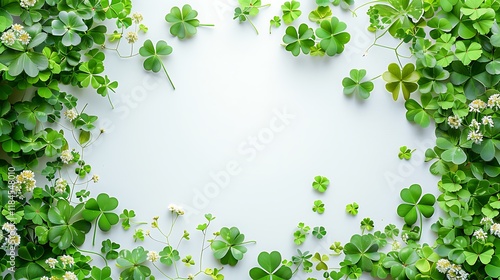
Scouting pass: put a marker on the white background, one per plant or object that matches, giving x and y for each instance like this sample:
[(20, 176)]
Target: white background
[(161, 145)]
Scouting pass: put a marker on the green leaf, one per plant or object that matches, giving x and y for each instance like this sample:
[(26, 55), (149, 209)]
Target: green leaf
[(333, 39), (354, 84), (68, 25), (468, 52), (153, 55), (320, 183), (290, 11), (184, 22), (297, 40), (362, 250), (68, 226), (321, 13), (231, 248), (100, 209), (132, 264), (415, 203), (169, 256), (270, 268), (398, 80)]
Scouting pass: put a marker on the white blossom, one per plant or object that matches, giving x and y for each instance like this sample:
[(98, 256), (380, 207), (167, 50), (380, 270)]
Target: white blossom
[(8, 38), (153, 256), (51, 262), (487, 120), (137, 17), (480, 234), (475, 136), (477, 105), (454, 122), (131, 37), (60, 186), (495, 229), (71, 114), (494, 101), (66, 156)]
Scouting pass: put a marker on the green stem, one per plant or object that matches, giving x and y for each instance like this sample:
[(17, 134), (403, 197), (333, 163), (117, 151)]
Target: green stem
[(163, 273), (110, 102), (95, 232), (365, 4), (253, 25), (207, 24), (168, 76), (94, 253)]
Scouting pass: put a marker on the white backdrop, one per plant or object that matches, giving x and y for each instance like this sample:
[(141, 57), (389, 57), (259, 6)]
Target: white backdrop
[(163, 146)]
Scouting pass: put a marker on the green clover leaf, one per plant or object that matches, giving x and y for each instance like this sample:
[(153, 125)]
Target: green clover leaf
[(67, 25), (362, 250), (332, 36), (153, 56), (367, 224), (319, 207), (321, 13), (297, 40), (398, 80), (231, 248), (169, 256), (270, 268), (468, 52), (415, 204), (68, 226), (354, 84), (319, 232), (352, 208), (402, 263), (184, 22), (132, 264), (274, 22), (100, 209), (321, 260), (320, 183), (290, 11)]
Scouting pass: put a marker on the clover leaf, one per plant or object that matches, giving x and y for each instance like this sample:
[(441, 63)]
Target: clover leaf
[(36, 211), (247, 9), (169, 256), (362, 250), (415, 204), (332, 36), (132, 263), (401, 80), (100, 209), (352, 208), (297, 40), (321, 260), (270, 268), (321, 13), (367, 224), (153, 56), (68, 226), (231, 248), (405, 153), (184, 22), (320, 183), (319, 232), (126, 216), (109, 249), (290, 11), (402, 263), (28, 62), (319, 207), (468, 52), (354, 84), (67, 25), (274, 22)]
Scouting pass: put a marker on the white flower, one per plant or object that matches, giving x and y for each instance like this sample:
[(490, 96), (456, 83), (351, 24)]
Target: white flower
[(147, 232), (8, 38), (456, 273), (486, 221), (131, 37), (137, 17), (25, 182), (474, 124), (404, 237), (172, 207), (495, 229), (153, 256), (14, 239), (475, 136), (24, 37), (69, 276), (487, 120), (177, 209), (454, 122), (17, 28), (396, 246), (190, 276), (9, 227), (180, 211), (66, 156), (71, 114), (67, 260), (95, 178), (477, 105), (27, 3), (45, 278), (494, 101), (443, 265), (60, 186), (51, 262), (480, 234)]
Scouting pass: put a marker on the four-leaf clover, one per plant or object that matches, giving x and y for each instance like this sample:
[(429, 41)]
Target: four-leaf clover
[(401, 80), (297, 40)]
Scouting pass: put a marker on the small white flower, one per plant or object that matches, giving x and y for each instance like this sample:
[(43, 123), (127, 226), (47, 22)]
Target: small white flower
[(17, 28), (495, 229), (477, 105), (487, 120), (69, 276), (137, 17), (8, 38), (14, 239), (131, 37), (67, 260), (443, 265), (51, 262), (9, 227), (486, 221), (45, 278), (480, 234), (66, 156), (475, 136), (71, 114), (190, 276), (494, 101), (474, 124), (454, 122), (153, 256), (147, 232), (95, 178), (180, 211), (172, 207), (60, 186), (27, 3), (24, 37), (396, 246)]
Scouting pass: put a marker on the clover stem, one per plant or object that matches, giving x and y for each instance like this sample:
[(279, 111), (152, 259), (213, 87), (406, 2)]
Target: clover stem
[(365, 4), (298, 266), (110, 102), (202, 247), (372, 79), (421, 223), (168, 76), (162, 271), (207, 24), (94, 253), (95, 231), (253, 25)]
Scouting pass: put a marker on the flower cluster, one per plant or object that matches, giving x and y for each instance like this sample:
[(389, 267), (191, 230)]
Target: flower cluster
[(495, 229), (13, 239), (454, 122), (71, 114), (15, 33), (480, 234), (61, 185), (66, 156), (176, 209), (27, 3), (131, 37), (153, 256), (137, 17), (25, 182), (477, 106), (494, 101), (452, 271), (67, 260)]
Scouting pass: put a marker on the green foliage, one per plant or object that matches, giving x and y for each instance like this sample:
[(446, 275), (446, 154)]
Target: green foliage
[(352, 208), (300, 235), (401, 80), (132, 264), (321, 183), (270, 267), (319, 232), (415, 205), (354, 84), (68, 226), (153, 55), (231, 248), (332, 35), (183, 22), (362, 250), (318, 207), (298, 40), (248, 9), (290, 11), (367, 224), (321, 13), (100, 210), (405, 153)]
